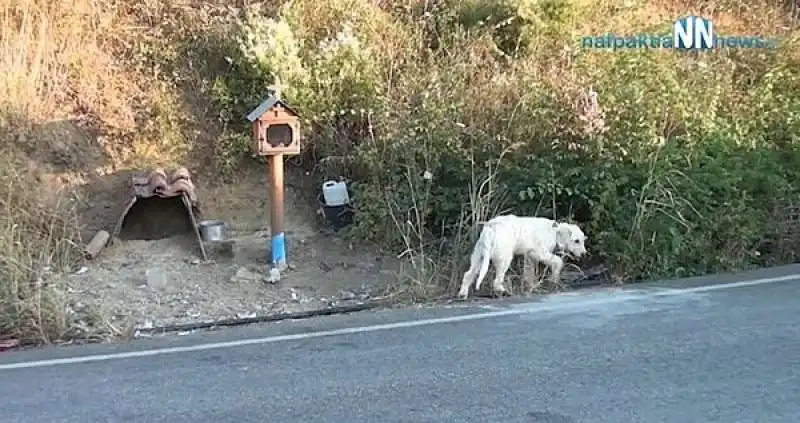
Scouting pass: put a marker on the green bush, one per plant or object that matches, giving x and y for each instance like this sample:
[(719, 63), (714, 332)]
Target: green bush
[(676, 170)]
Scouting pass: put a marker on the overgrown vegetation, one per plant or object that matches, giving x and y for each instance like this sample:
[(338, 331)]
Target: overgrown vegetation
[(677, 164), (674, 162)]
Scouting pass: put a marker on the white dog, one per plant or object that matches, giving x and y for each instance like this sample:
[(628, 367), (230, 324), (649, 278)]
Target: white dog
[(505, 236)]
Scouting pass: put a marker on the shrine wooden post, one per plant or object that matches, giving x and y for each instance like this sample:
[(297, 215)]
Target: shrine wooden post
[(276, 133)]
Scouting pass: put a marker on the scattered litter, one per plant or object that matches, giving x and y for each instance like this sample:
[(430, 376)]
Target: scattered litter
[(245, 315), (148, 324), (139, 334), (8, 344), (82, 270)]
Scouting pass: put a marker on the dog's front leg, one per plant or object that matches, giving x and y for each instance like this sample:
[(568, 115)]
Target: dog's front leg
[(530, 273), (555, 263)]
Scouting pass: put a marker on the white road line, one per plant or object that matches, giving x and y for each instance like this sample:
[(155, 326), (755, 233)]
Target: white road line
[(530, 308)]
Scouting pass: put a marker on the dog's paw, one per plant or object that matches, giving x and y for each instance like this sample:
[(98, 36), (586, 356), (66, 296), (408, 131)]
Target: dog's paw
[(500, 293)]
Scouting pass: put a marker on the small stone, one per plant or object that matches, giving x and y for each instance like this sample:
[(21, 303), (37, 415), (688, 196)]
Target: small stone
[(274, 276), (194, 261)]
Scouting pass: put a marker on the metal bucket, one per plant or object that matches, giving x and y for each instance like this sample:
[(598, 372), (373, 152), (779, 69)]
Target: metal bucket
[(212, 230)]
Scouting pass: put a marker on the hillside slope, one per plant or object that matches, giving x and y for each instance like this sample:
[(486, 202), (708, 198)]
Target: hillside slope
[(440, 113)]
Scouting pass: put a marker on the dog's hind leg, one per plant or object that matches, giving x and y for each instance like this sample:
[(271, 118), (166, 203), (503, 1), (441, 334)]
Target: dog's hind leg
[(501, 265), (475, 265)]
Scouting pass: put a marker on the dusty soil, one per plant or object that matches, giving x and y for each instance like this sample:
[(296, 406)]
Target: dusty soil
[(164, 282)]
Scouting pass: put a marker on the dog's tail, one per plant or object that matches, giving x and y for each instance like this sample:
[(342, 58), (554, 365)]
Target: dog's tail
[(482, 253)]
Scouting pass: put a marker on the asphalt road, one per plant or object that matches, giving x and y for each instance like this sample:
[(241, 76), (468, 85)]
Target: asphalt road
[(699, 353)]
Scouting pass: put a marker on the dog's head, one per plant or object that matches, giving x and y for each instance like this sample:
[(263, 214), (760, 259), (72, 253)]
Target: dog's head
[(571, 238)]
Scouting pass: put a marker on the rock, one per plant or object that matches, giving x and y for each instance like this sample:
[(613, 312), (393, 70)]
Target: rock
[(274, 276)]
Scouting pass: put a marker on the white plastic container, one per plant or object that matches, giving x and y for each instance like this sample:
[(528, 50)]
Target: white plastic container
[(335, 193)]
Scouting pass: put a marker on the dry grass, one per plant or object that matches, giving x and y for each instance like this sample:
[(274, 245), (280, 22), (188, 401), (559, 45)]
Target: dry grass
[(40, 44), (37, 240), (59, 65), (434, 269)]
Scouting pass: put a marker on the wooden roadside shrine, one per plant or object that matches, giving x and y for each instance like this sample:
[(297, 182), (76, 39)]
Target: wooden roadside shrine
[(276, 133)]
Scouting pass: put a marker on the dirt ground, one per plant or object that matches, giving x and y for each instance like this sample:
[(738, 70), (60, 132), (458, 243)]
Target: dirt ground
[(165, 282)]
